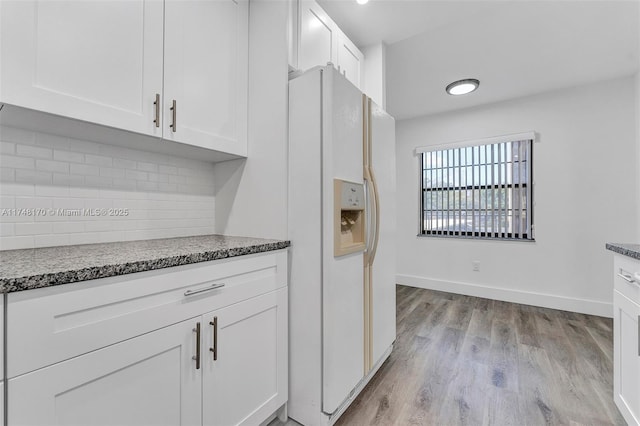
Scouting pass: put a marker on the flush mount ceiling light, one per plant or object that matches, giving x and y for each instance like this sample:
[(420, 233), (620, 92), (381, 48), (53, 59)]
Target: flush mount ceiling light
[(462, 87), (362, 1)]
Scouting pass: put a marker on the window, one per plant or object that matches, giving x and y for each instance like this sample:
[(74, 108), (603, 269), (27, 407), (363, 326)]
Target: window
[(479, 191)]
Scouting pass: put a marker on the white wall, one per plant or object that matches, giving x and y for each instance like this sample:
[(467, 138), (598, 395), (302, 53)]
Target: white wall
[(374, 84), (638, 148), (159, 196), (586, 191), (251, 195)]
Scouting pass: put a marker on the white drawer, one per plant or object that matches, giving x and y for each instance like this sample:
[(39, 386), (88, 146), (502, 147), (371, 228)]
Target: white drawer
[(52, 324), (623, 265)]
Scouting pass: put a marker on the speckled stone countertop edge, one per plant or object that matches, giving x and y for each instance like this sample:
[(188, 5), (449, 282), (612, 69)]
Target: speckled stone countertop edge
[(629, 250), (15, 284)]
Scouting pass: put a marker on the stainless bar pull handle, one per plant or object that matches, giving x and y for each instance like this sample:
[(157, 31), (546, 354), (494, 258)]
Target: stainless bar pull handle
[(638, 335), (214, 349), (157, 107), (173, 109), (202, 290), (628, 277), (196, 357)]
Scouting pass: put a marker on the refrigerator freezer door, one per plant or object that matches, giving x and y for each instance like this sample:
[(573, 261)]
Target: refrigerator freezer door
[(383, 157), (342, 292)]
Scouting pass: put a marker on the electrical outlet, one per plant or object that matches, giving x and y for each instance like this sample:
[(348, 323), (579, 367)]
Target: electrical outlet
[(475, 265)]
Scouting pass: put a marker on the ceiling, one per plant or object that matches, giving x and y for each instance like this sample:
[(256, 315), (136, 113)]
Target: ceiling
[(515, 48)]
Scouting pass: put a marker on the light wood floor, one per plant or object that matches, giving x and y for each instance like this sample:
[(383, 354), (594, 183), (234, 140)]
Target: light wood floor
[(461, 360)]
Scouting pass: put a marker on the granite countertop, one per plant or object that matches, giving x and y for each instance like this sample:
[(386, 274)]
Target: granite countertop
[(44, 267), (631, 250)]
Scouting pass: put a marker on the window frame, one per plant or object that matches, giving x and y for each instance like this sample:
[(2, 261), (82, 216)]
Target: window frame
[(527, 235)]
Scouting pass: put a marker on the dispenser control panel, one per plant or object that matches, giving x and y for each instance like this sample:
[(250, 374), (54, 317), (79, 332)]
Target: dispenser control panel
[(352, 197), (348, 219)]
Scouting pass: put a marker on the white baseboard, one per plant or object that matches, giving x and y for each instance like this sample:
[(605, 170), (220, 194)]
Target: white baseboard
[(584, 306)]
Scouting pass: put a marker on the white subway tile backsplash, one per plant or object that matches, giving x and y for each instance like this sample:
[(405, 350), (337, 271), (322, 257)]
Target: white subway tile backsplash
[(52, 166), (167, 187), (68, 227), (95, 226), (70, 180), (147, 186), (135, 174), (7, 174), (157, 195), (124, 184), (13, 134), (168, 170), (34, 176), (111, 172), (33, 151), (74, 157), (177, 179), (51, 191), (158, 177), (7, 148), (147, 167), (22, 189), (33, 202), (7, 202), (17, 162), (98, 160), (98, 181), (82, 169), (33, 228), (16, 243), (51, 240), (52, 141), (84, 146), (7, 229), (124, 164)]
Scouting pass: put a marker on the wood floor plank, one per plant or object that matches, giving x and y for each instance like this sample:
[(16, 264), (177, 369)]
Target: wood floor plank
[(460, 360), (504, 356), (502, 408), (592, 359)]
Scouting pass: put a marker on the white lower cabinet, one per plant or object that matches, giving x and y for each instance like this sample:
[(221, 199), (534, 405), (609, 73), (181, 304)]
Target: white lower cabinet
[(147, 380), (627, 360), (626, 339), (245, 374), (202, 344)]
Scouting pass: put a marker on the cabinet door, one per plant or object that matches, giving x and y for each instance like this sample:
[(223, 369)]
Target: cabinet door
[(98, 61), (626, 337), (350, 59), (206, 72), (148, 380), (247, 381), (318, 41)]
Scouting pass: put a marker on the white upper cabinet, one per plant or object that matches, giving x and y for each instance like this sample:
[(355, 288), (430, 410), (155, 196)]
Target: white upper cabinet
[(319, 40), (318, 36), (206, 71), (350, 60), (97, 61), (124, 64)]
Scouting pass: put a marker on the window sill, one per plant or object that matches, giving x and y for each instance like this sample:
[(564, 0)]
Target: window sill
[(464, 237)]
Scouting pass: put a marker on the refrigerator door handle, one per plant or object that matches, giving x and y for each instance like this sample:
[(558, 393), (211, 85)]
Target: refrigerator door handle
[(368, 215), (376, 216)]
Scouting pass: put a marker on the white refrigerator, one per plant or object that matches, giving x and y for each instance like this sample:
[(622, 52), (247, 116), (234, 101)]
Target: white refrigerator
[(342, 221)]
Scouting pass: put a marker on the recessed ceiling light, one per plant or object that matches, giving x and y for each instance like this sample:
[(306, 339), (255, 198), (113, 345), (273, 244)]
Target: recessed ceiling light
[(462, 87), (362, 1)]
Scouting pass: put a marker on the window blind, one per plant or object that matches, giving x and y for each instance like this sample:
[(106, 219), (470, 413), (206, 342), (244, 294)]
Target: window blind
[(481, 191)]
